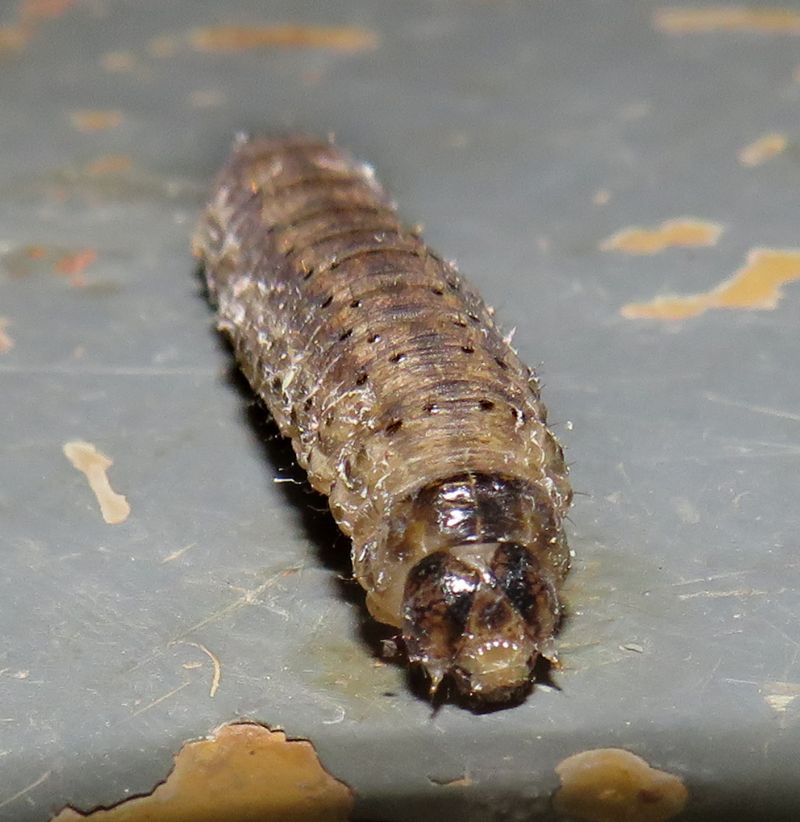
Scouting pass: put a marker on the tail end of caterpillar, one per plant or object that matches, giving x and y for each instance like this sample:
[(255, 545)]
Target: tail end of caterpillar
[(481, 613)]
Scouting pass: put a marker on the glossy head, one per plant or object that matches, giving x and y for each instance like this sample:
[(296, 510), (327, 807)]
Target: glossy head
[(481, 613)]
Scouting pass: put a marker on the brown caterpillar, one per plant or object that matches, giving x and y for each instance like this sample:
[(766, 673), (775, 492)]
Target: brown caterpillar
[(404, 404)]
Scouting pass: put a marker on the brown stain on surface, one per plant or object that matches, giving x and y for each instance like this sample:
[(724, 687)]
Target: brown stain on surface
[(242, 772), (109, 164), (689, 20), (36, 258), (764, 148), (682, 232), (246, 38), (90, 120), (614, 785), (85, 457), (756, 286)]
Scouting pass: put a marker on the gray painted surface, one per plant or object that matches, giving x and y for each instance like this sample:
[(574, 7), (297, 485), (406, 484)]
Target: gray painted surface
[(494, 124)]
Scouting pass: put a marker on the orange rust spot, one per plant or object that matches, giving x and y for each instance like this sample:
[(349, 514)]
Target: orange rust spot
[(85, 457), (109, 164), (242, 772), (74, 265), (688, 20), (755, 286), (44, 9), (87, 120), (612, 784), (242, 38), (6, 340), (684, 232), (763, 149)]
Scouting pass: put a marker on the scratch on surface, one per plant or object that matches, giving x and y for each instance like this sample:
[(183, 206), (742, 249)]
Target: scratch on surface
[(738, 593), (755, 286), (688, 20), (6, 340), (160, 699), (763, 149), (19, 794), (756, 409), (682, 232), (85, 457), (217, 674), (179, 553)]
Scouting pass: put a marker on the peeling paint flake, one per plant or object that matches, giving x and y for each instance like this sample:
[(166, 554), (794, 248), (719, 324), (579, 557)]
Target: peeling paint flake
[(756, 286), (6, 340), (682, 232), (612, 784), (242, 772), (85, 457), (763, 149), (688, 20), (245, 38), (89, 120)]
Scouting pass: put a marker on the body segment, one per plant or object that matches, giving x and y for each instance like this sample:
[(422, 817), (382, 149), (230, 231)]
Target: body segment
[(403, 402)]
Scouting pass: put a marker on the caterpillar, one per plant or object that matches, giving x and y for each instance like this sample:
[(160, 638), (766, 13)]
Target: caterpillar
[(404, 404)]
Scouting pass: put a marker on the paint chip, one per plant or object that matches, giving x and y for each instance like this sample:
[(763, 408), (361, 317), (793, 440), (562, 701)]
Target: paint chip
[(688, 20), (85, 457), (682, 232), (246, 38), (756, 286), (6, 340), (89, 120), (763, 149), (612, 784), (242, 772)]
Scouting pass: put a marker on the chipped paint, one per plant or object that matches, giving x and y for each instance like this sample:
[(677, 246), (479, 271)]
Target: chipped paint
[(780, 695), (34, 258), (6, 340), (688, 20), (89, 120), (763, 149), (245, 38), (756, 286), (85, 457), (244, 772), (612, 784), (681, 232)]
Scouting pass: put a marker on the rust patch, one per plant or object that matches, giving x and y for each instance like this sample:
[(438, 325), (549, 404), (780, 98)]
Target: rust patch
[(246, 38), (85, 457), (118, 62), (89, 120), (242, 772), (763, 149), (683, 232), (756, 286), (612, 784), (688, 20), (6, 340), (35, 258)]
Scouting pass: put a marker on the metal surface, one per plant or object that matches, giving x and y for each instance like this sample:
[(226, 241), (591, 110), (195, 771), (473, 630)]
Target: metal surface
[(495, 124)]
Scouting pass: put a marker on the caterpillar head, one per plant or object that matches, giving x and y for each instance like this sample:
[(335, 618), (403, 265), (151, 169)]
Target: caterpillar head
[(481, 613)]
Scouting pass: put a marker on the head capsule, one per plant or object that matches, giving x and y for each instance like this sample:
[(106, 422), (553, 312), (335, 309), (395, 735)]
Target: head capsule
[(481, 612)]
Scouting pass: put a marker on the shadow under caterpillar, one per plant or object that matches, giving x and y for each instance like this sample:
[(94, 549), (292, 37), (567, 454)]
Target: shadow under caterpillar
[(404, 404)]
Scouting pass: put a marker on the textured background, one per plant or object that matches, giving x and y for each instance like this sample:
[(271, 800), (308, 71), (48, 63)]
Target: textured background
[(495, 124)]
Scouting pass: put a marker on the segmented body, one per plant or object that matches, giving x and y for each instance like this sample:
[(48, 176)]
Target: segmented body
[(404, 404)]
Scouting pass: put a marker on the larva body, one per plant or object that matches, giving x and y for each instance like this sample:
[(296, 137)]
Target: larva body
[(404, 404)]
